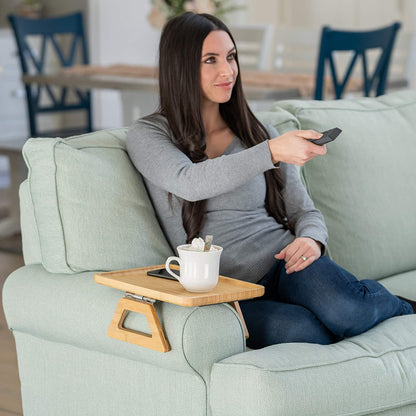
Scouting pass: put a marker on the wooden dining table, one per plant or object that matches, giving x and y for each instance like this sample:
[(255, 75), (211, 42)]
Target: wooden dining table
[(138, 85), (136, 77)]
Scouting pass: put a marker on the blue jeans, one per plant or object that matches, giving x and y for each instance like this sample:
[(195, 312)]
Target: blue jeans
[(321, 304)]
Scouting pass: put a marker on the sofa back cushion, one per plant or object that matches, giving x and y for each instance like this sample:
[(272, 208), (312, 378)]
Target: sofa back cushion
[(366, 184), (280, 119), (90, 206), (30, 234)]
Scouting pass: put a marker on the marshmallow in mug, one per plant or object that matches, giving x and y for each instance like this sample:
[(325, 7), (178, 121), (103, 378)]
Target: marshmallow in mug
[(198, 244)]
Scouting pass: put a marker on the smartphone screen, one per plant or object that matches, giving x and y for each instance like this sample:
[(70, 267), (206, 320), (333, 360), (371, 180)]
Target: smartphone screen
[(161, 273)]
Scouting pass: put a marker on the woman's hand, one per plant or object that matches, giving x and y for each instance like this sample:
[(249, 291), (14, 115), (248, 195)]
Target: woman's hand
[(291, 147), (299, 254)]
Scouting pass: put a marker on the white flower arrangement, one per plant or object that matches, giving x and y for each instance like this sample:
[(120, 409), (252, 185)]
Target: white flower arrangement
[(163, 10)]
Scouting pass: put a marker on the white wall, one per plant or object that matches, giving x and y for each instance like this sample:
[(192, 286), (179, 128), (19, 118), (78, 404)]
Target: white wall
[(119, 33), (308, 16), (348, 14)]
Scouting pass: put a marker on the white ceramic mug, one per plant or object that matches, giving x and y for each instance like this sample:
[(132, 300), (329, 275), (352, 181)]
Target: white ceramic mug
[(198, 270)]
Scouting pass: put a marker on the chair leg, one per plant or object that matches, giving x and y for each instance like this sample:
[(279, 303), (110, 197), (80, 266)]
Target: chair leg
[(31, 112)]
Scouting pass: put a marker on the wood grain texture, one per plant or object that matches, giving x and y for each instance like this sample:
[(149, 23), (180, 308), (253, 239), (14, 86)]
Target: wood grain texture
[(138, 282), (156, 340), (135, 77), (303, 82), (237, 308)]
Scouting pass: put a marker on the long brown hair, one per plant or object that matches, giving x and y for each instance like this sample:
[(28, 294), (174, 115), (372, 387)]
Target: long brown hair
[(180, 51)]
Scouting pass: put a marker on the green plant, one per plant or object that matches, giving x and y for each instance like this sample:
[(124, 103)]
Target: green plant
[(163, 10)]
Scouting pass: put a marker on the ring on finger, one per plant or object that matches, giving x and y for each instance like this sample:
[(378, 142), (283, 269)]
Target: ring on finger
[(304, 258)]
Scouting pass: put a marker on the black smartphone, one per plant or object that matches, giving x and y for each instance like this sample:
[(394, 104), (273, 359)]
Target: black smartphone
[(327, 136), (161, 273)]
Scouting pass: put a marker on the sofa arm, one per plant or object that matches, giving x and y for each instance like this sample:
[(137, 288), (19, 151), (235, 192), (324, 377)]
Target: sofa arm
[(74, 310)]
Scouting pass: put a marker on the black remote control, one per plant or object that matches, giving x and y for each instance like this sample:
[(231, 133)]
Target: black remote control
[(327, 136)]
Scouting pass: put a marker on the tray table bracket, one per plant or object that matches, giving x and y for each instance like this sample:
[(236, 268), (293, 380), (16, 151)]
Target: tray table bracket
[(237, 308), (156, 340)]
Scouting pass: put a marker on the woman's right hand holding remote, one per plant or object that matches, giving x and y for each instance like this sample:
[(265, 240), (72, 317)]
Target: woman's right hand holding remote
[(291, 147)]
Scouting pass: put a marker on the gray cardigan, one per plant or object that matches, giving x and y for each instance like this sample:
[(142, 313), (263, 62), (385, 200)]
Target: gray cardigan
[(235, 188)]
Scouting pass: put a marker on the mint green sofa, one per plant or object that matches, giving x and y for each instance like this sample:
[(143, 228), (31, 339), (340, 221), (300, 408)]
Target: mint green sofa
[(84, 209)]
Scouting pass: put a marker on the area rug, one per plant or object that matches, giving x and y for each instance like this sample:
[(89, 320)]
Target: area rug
[(12, 244)]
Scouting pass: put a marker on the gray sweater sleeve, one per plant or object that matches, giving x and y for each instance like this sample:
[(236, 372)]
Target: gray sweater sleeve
[(162, 163), (229, 182)]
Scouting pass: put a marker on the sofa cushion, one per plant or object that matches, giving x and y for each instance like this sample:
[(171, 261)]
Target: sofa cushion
[(402, 284), (90, 205), (29, 231), (365, 185), (282, 120), (366, 374)]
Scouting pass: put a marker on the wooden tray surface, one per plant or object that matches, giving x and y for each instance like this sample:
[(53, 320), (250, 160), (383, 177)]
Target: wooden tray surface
[(138, 282)]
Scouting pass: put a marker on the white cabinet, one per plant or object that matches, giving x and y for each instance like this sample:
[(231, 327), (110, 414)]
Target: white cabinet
[(13, 113)]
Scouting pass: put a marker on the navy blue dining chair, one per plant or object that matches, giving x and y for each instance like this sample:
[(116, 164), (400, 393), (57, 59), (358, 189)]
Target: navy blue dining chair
[(64, 38), (359, 43)]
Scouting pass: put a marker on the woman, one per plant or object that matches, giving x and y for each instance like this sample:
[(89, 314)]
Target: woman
[(212, 168)]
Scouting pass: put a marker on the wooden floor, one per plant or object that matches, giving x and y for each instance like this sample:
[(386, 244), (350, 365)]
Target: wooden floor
[(10, 401)]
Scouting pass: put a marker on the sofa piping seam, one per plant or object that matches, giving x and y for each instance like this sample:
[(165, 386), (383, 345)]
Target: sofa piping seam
[(186, 359), (361, 110), (253, 366)]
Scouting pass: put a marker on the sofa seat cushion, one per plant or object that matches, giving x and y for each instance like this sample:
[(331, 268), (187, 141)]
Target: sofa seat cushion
[(90, 206), (365, 185), (366, 374)]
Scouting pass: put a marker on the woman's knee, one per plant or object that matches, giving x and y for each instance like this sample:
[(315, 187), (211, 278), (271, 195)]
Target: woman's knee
[(354, 313)]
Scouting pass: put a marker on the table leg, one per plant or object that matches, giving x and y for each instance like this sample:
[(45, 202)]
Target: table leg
[(156, 340)]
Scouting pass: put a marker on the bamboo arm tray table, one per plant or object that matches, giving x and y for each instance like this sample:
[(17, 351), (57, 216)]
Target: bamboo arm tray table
[(143, 290)]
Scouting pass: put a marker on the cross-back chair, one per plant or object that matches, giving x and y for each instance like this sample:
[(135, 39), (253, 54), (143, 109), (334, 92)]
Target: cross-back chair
[(57, 41), (360, 43)]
